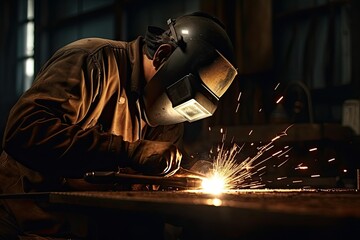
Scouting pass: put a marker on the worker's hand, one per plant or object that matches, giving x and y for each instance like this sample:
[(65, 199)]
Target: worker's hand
[(154, 158)]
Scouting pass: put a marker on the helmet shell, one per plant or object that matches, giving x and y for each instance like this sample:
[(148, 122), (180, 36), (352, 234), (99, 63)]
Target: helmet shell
[(199, 40), (197, 29)]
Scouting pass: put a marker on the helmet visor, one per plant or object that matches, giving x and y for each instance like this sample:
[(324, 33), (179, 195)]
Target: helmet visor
[(218, 75)]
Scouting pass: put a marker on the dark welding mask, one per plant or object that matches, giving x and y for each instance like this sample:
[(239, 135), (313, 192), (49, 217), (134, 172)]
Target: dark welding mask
[(189, 84)]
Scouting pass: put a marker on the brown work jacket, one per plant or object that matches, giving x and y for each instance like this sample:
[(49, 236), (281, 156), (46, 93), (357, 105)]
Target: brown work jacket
[(75, 117)]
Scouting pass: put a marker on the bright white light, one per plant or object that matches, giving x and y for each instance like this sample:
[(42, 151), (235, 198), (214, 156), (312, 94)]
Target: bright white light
[(29, 67), (29, 41), (215, 201), (30, 9), (214, 184), (185, 31), (29, 73)]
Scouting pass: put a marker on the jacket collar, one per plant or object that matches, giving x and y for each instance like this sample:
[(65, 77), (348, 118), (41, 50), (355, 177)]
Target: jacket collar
[(137, 72)]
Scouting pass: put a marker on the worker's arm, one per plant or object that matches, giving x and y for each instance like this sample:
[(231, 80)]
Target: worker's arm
[(43, 130)]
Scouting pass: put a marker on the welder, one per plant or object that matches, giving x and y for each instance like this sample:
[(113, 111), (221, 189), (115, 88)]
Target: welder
[(104, 105)]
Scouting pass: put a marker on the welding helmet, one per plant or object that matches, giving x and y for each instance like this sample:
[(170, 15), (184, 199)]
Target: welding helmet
[(189, 84)]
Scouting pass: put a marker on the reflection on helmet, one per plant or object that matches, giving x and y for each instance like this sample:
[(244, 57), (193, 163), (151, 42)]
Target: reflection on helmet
[(218, 75), (189, 84)]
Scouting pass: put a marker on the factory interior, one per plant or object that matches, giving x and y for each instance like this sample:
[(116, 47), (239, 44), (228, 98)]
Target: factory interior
[(292, 113)]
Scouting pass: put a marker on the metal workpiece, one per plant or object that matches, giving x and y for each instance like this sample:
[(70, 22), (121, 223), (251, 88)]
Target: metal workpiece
[(186, 181)]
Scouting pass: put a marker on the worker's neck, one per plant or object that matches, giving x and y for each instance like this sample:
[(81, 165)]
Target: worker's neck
[(149, 69)]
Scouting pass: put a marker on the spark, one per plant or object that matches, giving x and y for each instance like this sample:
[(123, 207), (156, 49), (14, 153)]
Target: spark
[(332, 159), (261, 168), (285, 152), (227, 173), (263, 161), (312, 149), (223, 135), (270, 147), (238, 99), (237, 107), (260, 109), (315, 175), (250, 132), (279, 100), (278, 152), (277, 85), (282, 163), (275, 138)]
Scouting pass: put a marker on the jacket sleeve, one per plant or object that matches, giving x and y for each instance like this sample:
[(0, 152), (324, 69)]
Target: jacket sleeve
[(42, 131), (172, 133)]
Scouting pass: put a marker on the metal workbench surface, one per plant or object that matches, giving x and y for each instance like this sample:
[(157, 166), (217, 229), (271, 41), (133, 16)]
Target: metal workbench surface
[(238, 214)]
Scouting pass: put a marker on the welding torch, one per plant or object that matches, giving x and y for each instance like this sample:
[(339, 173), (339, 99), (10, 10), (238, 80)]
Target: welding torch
[(185, 179)]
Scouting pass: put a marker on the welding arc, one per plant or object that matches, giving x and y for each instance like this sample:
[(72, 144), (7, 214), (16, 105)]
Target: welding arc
[(124, 178)]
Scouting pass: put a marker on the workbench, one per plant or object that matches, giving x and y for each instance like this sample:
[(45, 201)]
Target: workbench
[(238, 214)]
